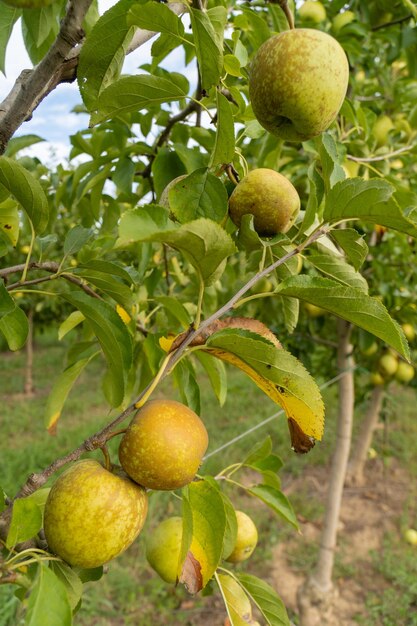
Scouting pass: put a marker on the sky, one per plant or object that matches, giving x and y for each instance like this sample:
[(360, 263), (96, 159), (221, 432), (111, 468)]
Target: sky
[(53, 120)]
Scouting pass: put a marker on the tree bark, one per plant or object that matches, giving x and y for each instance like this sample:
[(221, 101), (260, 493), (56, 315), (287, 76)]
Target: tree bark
[(28, 388), (315, 596), (360, 453)]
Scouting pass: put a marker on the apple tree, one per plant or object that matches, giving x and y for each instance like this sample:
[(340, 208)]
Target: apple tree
[(158, 270)]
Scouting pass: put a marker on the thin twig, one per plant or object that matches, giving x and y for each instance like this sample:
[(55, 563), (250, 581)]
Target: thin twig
[(381, 157)]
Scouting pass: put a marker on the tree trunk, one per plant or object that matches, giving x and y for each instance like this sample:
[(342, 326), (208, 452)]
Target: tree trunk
[(360, 453), (316, 595), (28, 388)]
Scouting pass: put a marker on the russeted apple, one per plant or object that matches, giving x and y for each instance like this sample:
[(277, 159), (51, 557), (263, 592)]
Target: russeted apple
[(164, 445), (269, 197), (92, 515), (297, 84)]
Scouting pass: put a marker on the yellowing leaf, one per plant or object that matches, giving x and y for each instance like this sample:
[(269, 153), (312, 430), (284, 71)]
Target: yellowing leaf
[(123, 314), (166, 342), (278, 373)]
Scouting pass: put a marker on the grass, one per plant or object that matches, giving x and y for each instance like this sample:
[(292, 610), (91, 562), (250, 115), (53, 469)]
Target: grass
[(130, 592)]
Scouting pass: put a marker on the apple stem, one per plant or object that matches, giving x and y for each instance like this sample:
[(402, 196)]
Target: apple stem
[(288, 14), (107, 460), (121, 431)]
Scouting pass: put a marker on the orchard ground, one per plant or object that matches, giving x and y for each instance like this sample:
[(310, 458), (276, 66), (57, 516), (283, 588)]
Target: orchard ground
[(376, 570)]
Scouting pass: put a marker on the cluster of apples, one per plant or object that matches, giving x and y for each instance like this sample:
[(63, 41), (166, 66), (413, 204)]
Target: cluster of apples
[(389, 366), (93, 514)]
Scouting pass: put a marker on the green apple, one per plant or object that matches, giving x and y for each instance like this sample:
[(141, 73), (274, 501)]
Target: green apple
[(27, 4), (351, 168), (376, 379), (297, 84), (314, 310), (164, 445), (381, 128), (409, 331), (269, 197), (388, 365), (370, 349), (341, 20), (246, 539), (405, 372), (312, 11), (163, 548), (410, 535), (92, 515)]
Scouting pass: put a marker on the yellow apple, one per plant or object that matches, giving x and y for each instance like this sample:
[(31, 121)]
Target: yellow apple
[(409, 332), (246, 540), (341, 20), (405, 372), (381, 128), (388, 365), (312, 11)]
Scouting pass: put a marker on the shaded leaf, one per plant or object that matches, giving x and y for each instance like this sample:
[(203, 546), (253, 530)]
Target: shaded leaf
[(352, 244), (19, 143), (71, 581), (26, 521), (9, 220), (209, 43), (156, 17), (201, 194), (217, 374), (76, 238), (337, 268), (224, 145), (266, 599), (15, 328), (8, 17)]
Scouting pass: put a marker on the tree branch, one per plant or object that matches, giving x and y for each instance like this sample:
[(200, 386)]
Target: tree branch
[(58, 66)]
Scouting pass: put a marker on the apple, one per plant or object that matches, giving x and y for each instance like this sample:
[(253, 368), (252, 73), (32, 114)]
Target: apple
[(381, 128), (163, 548), (372, 453), (313, 310), (164, 199), (405, 372), (27, 4), (246, 539), (371, 349), (92, 515), (269, 197), (164, 445), (388, 365), (409, 331), (410, 535), (312, 11), (341, 20), (351, 168), (376, 379), (297, 84)]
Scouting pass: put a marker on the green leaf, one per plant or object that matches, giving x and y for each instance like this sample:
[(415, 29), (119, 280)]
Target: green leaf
[(230, 534), (205, 502), (8, 17), (102, 54), (367, 200), (353, 245), (277, 501), (19, 143), (71, 581), (27, 190), (143, 223), (209, 45), (224, 146), (176, 308), (200, 194), (349, 304), (9, 220), (26, 521), (332, 170), (123, 174), (156, 17), (277, 372), (60, 390), (266, 599), (15, 328), (185, 380), (134, 93), (114, 339), (71, 322), (7, 304), (335, 266), (76, 238), (48, 603), (109, 285), (166, 167), (217, 374), (260, 451)]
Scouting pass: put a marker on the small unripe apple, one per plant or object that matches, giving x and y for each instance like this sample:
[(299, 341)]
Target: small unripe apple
[(409, 331), (405, 372), (269, 197), (376, 379), (313, 310), (371, 349), (372, 453), (381, 129), (297, 84), (410, 535), (388, 365), (351, 168), (341, 20), (164, 445), (163, 548), (92, 515), (246, 539), (312, 11)]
